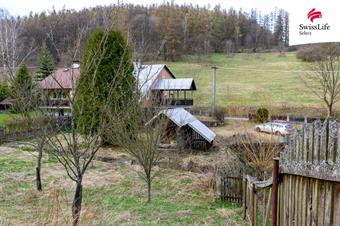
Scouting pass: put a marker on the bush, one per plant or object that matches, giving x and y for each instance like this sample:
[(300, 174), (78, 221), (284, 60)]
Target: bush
[(219, 114), (309, 54), (23, 124), (314, 53), (262, 115)]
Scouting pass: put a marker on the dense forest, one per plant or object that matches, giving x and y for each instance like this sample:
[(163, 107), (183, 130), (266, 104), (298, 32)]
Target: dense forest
[(157, 32)]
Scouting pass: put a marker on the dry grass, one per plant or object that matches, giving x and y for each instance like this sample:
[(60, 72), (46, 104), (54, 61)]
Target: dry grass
[(113, 195)]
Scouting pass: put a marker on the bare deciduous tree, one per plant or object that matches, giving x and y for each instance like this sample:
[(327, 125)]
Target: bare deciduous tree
[(11, 47), (73, 150), (25, 100), (135, 130), (324, 80), (75, 144)]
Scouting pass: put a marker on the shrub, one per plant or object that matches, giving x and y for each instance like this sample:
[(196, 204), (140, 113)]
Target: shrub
[(262, 115), (23, 124), (219, 114), (309, 54), (314, 53)]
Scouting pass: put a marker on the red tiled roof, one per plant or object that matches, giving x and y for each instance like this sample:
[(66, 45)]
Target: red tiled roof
[(60, 79)]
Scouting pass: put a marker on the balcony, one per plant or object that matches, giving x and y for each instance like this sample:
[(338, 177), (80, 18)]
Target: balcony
[(180, 102), (175, 102), (58, 103)]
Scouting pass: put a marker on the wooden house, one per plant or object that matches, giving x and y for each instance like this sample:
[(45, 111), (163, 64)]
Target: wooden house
[(157, 84)]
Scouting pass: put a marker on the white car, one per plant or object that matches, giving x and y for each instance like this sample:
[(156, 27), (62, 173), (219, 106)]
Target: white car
[(277, 128)]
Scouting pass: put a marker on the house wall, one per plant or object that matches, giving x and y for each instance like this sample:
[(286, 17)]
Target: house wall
[(163, 74)]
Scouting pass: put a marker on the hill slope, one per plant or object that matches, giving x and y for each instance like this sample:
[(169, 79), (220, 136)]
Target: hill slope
[(248, 79)]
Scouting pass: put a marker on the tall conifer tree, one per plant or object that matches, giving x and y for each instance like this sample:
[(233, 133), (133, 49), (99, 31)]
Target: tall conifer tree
[(46, 62)]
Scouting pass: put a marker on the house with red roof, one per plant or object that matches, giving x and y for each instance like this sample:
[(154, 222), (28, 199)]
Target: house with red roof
[(58, 88), (157, 84)]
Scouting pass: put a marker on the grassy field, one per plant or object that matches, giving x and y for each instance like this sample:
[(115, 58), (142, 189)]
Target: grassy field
[(113, 195), (4, 117), (248, 79)]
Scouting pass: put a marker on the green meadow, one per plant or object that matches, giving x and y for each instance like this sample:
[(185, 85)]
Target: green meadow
[(248, 79)]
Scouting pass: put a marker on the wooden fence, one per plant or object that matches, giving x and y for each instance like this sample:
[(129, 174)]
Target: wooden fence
[(257, 201), (231, 189), (309, 188), (305, 187)]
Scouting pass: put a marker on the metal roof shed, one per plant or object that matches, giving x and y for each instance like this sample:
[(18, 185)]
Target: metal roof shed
[(194, 131)]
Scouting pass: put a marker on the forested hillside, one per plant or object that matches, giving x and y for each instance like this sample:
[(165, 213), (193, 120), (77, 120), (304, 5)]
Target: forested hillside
[(157, 32)]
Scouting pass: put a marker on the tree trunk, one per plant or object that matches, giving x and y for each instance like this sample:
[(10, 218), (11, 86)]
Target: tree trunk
[(149, 190), (76, 205), (38, 170), (330, 110)]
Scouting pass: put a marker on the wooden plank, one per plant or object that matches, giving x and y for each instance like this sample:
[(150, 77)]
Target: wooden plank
[(310, 201), (324, 198), (296, 200), (285, 183), (267, 209), (313, 144), (244, 202), (332, 204), (316, 217), (281, 203), (255, 207), (325, 174), (305, 202), (299, 201), (290, 205)]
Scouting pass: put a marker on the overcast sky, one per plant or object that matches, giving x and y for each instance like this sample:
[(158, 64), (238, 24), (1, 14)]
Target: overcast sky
[(23, 7)]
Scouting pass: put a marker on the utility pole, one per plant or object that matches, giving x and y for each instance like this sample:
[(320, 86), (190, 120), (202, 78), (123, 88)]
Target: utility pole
[(214, 89)]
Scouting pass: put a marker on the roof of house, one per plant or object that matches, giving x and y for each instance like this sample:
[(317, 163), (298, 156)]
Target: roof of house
[(7, 101), (175, 84), (182, 117), (147, 74), (60, 79)]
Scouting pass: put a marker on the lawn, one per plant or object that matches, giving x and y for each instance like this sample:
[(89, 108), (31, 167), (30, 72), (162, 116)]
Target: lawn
[(113, 195), (4, 117), (248, 79)]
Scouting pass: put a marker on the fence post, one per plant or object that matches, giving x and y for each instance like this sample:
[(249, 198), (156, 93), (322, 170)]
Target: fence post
[(244, 197), (2, 134), (253, 210), (275, 189)]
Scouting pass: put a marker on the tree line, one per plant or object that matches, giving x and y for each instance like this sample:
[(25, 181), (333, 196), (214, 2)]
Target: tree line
[(155, 32)]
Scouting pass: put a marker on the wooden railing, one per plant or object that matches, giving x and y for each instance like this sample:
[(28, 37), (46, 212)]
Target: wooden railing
[(178, 102)]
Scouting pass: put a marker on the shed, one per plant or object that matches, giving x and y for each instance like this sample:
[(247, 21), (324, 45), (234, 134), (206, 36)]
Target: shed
[(6, 103), (191, 132)]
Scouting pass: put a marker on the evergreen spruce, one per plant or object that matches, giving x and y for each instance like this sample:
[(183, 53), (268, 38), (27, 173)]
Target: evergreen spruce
[(22, 90), (4, 90), (106, 79), (46, 62)]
